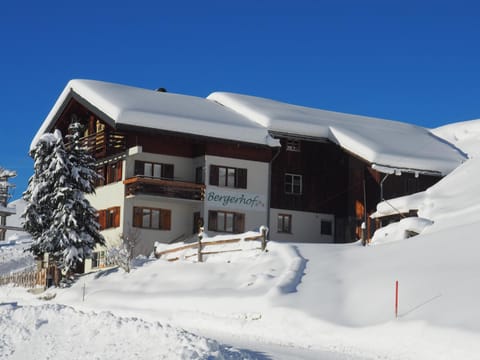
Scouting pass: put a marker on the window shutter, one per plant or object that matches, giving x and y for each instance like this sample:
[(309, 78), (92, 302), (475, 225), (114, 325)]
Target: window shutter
[(212, 220), (100, 181), (166, 219), (118, 171), (241, 180), (102, 219), (137, 217), (116, 216), (239, 223), (138, 168), (167, 171), (213, 175)]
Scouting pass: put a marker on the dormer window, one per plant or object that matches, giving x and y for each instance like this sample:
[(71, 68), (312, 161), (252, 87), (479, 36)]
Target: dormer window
[(293, 145)]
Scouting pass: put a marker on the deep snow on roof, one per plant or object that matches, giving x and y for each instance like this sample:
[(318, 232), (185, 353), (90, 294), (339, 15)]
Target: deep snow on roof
[(127, 105), (382, 142)]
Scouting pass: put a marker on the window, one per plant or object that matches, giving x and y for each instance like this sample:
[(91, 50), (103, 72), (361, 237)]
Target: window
[(293, 145), (109, 173), (152, 218), (228, 177), (154, 170), (284, 223), (223, 221), (326, 227), (293, 184), (98, 259), (109, 218)]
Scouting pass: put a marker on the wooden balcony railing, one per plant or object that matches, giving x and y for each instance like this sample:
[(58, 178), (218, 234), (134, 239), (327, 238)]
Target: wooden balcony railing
[(103, 143), (161, 187)]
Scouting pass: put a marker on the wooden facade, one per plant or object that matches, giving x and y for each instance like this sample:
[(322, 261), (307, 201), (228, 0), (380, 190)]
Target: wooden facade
[(336, 182)]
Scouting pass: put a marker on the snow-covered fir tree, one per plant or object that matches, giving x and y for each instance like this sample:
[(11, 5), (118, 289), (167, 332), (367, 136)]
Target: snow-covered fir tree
[(38, 208), (68, 228), (83, 164)]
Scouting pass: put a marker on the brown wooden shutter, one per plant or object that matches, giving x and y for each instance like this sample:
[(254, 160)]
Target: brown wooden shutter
[(118, 171), (239, 226), (102, 219), (109, 177), (213, 175), (212, 220), (137, 217), (139, 168), (166, 219), (241, 178), (167, 171), (116, 216), (101, 176)]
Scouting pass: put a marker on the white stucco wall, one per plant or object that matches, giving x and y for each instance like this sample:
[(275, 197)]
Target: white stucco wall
[(181, 220), (108, 196), (257, 187), (184, 169), (305, 227)]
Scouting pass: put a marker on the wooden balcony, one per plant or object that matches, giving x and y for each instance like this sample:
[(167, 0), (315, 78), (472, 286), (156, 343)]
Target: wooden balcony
[(103, 143), (163, 187)]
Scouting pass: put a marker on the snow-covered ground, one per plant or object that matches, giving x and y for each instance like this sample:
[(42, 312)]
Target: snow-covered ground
[(296, 301)]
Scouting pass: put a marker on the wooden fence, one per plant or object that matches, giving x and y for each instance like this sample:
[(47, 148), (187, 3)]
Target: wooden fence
[(199, 245), (27, 279), (32, 278)]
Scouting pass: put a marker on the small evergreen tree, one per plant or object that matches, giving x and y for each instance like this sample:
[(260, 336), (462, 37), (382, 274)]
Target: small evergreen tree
[(67, 228)]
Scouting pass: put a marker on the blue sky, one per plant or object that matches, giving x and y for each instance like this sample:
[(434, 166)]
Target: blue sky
[(414, 61)]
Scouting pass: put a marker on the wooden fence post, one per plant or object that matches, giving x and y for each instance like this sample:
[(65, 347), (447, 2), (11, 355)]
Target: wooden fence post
[(199, 250), (264, 238)]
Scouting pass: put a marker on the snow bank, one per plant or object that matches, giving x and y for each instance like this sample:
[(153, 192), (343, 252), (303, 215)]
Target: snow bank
[(400, 205), (13, 257), (453, 201), (61, 332), (464, 135), (401, 230)]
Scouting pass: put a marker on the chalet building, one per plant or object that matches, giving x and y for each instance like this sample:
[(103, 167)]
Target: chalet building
[(232, 163)]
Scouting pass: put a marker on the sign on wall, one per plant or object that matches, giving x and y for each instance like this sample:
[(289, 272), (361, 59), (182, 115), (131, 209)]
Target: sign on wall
[(235, 200)]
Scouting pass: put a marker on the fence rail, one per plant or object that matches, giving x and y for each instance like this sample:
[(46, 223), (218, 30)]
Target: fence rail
[(199, 245)]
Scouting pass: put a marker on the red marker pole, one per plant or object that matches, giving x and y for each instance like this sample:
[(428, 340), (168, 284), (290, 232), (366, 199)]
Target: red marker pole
[(396, 299)]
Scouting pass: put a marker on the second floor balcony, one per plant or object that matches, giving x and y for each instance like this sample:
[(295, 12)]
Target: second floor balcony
[(164, 187), (104, 143)]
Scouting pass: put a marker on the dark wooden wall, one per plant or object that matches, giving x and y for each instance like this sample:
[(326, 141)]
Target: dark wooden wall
[(324, 169), (338, 183)]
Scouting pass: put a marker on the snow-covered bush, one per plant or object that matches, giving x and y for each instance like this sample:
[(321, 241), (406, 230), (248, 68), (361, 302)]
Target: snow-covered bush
[(123, 255)]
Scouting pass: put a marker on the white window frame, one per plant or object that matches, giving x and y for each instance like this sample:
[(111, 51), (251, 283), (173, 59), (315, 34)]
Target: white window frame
[(290, 185)]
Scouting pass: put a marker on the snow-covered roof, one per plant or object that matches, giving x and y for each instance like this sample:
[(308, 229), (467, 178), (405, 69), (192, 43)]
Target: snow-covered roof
[(385, 143), (132, 106)]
